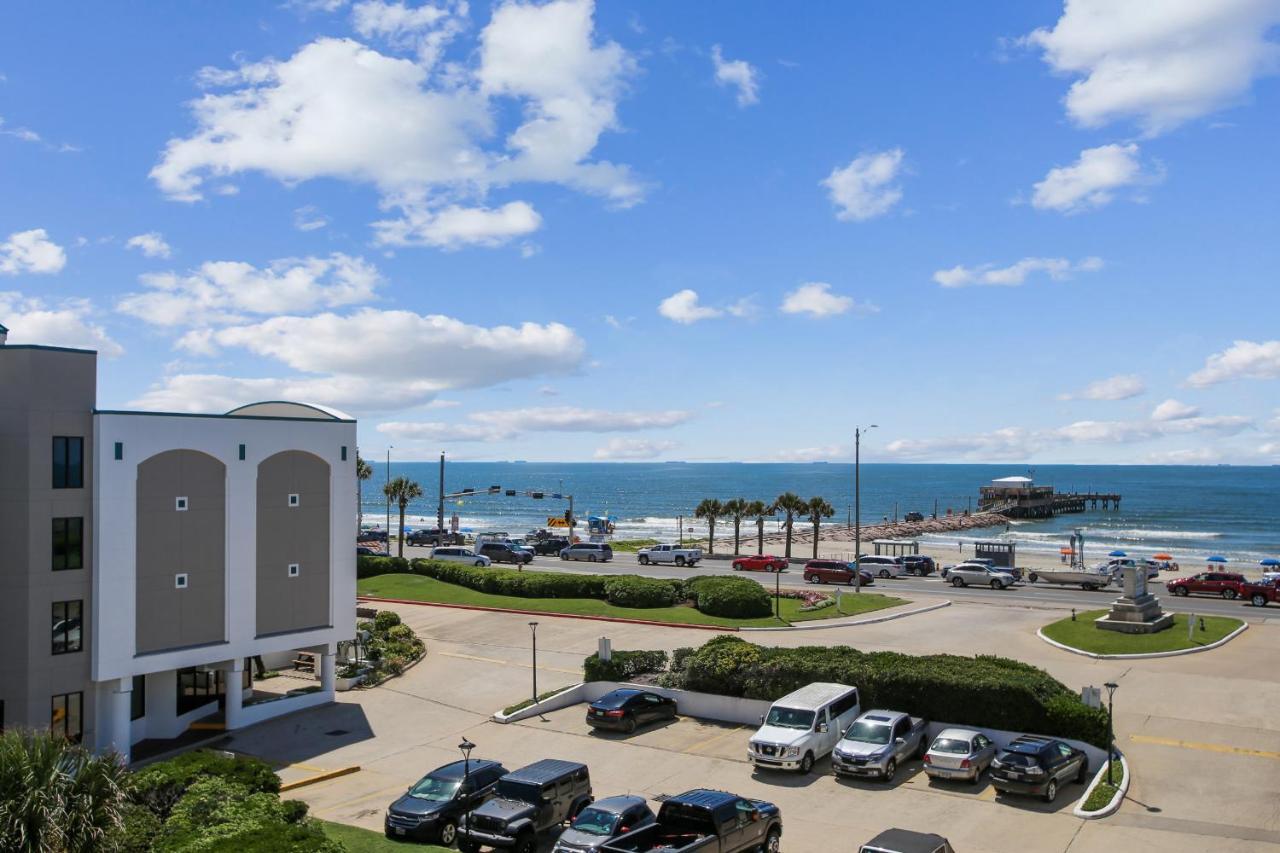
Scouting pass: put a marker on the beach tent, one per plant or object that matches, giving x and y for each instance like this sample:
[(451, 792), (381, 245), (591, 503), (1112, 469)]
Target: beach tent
[(1269, 561)]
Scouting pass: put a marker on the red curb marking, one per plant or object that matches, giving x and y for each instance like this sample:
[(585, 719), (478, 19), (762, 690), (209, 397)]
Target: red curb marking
[(544, 613)]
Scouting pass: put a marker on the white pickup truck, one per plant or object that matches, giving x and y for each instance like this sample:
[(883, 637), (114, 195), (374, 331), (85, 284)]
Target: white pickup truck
[(669, 554)]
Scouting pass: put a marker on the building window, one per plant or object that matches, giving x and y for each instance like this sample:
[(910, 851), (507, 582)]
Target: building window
[(180, 504), (64, 716), (344, 453), (180, 580), (67, 628), (293, 570), (68, 544), (293, 500), (242, 453), (68, 462), (119, 450), (138, 698)]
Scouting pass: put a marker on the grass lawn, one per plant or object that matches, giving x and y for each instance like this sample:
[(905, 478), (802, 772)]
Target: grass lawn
[(358, 840), (1084, 635), (1101, 795), (419, 588)]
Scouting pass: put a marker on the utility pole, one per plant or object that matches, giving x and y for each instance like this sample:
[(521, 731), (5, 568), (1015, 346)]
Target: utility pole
[(440, 506), (857, 506)]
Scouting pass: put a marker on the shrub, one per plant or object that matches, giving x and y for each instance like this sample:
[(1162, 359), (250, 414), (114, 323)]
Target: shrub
[(523, 584), (138, 830), (732, 598), (161, 785), (368, 567), (623, 665), (222, 815), (385, 620), (632, 591)]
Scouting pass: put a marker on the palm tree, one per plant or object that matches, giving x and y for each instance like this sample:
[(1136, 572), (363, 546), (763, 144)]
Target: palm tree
[(57, 795), (737, 509), (818, 510), (710, 509), (790, 505), (401, 490), (363, 472), (759, 510)]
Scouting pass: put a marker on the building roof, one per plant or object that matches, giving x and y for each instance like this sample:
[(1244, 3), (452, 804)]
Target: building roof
[(813, 695), (3, 328), (289, 409)]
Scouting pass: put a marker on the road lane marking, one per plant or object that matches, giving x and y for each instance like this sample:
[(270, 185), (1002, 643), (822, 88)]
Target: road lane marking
[(508, 663), (706, 744), (1206, 747)]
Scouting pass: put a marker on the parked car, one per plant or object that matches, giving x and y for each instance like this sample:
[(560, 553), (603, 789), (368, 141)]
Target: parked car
[(834, 571), (760, 563), (1260, 593), (373, 534), (625, 708), (707, 822), (976, 573), (919, 564), (1038, 766), (592, 552), (526, 804), (913, 516), (603, 820), (458, 554), (878, 742), (427, 536), (676, 554), (990, 563), (959, 754), (366, 551), (803, 726), (501, 552), (430, 809), (1226, 584), (882, 566), (906, 841), (550, 547)]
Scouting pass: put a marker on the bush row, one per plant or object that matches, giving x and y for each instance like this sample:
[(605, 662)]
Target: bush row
[(733, 598), (979, 691), (623, 666)]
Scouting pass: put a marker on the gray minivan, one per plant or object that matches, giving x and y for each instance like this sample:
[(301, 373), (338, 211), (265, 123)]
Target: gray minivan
[(592, 552)]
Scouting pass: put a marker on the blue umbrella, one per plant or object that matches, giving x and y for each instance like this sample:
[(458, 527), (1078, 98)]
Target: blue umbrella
[(1270, 561), (1217, 558), (1117, 553)]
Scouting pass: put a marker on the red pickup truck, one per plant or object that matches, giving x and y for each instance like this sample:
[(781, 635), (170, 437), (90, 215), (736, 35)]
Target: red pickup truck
[(1258, 594)]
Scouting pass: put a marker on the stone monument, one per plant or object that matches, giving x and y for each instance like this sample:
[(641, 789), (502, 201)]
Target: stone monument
[(1137, 611)]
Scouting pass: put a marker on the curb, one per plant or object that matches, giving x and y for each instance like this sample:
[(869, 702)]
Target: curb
[(1111, 807), (828, 623), (319, 777), (720, 628), (1146, 655), (534, 710)]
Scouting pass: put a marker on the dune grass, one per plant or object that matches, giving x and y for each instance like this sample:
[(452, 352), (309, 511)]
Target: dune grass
[(1082, 634)]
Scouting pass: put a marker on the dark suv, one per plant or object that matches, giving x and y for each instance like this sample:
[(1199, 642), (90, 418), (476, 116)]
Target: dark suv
[(500, 552), (1038, 766), (918, 564), (429, 810), (550, 547), (526, 804)]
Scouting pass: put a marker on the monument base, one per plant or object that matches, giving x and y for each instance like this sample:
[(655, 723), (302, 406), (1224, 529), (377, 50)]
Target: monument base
[(1141, 615)]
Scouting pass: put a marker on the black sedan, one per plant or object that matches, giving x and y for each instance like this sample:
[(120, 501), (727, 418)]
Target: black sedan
[(429, 810), (626, 708)]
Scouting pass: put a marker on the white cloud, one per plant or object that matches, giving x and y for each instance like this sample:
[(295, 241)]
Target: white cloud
[(66, 323), (739, 74), (1241, 360), (454, 227), (205, 392), (683, 307), (1092, 181), (309, 218), (1058, 269), (1159, 63), (816, 299), (426, 141), (25, 134), (152, 244), (31, 252), (633, 449), (227, 291), (426, 28), (1120, 387), (1173, 410), (865, 188)]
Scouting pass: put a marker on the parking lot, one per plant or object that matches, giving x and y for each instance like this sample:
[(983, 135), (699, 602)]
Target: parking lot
[(1205, 745)]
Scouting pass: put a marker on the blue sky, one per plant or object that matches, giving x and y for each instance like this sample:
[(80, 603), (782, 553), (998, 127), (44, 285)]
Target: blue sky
[(1040, 233)]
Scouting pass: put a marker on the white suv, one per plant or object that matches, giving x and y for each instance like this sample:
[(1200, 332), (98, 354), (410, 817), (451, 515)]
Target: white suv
[(455, 554), (882, 566), (803, 726)]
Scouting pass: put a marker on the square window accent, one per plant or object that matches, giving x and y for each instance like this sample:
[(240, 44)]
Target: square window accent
[(293, 500), (180, 504), (293, 570), (180, 580)]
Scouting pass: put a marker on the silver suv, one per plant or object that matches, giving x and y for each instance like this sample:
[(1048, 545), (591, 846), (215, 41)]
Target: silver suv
[(976, 573), (460, 555)]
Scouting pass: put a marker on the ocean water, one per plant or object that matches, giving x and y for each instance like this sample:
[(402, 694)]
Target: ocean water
[(1191, 511)]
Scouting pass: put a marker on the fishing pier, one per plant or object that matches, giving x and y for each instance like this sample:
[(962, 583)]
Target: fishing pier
[(1019, 497)]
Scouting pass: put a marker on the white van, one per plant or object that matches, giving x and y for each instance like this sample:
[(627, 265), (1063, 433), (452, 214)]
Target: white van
[(882, 566), (803, 726)]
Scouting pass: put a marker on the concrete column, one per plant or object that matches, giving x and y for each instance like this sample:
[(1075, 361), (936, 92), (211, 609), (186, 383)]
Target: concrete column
[(233, 672), (119, 725), (327, 671)]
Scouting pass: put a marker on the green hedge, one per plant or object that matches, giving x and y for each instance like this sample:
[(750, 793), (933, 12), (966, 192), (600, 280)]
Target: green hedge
[(623, 666), (632, 591), (160, 785), (733, 598), (368, 567), (985, 690)]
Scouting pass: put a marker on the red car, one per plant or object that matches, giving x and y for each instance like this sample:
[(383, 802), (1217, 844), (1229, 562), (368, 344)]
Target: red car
[(1226, 584), (1261, 592), (834, 571), (760, 563)]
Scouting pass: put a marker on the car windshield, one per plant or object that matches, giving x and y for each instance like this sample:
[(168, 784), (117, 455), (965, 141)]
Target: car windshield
[(522, 791), (595, 822), (435, 790), (790, 718), (867, 731), (947, 744)]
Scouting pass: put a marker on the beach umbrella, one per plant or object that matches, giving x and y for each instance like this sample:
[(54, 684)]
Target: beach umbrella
[(1269, 561), (1117, 553), (1162, 556), (1217, 558)]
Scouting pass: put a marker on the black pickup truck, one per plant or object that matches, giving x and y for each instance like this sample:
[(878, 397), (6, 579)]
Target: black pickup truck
[(705, 821)]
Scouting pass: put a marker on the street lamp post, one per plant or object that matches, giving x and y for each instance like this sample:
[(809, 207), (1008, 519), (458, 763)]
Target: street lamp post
[(440, 506), (466, 746), (1111, 738), (533, 628), (388, 482), (857, 505)]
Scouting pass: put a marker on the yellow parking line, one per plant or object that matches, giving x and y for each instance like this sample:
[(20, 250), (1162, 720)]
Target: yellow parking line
[(706, 744), (319, 777), (508, 663), (1207, 747)]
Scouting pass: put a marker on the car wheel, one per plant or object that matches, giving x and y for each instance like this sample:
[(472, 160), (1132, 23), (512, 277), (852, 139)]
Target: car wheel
[(680, 561), (806, 763), (890, 770), (773, 842), (644, 560), (1083, 773), (630, 727), (591, 558), (924, 747), (1229, 594), (997, 585), (957, 582), (1033, 577), (480, 563), (810, 578), (1179, 590), (564, 557), (976, 777), (448, 832), (1051, 791), (737, 567), (526, 844), (1258, 600), (884, 574)]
